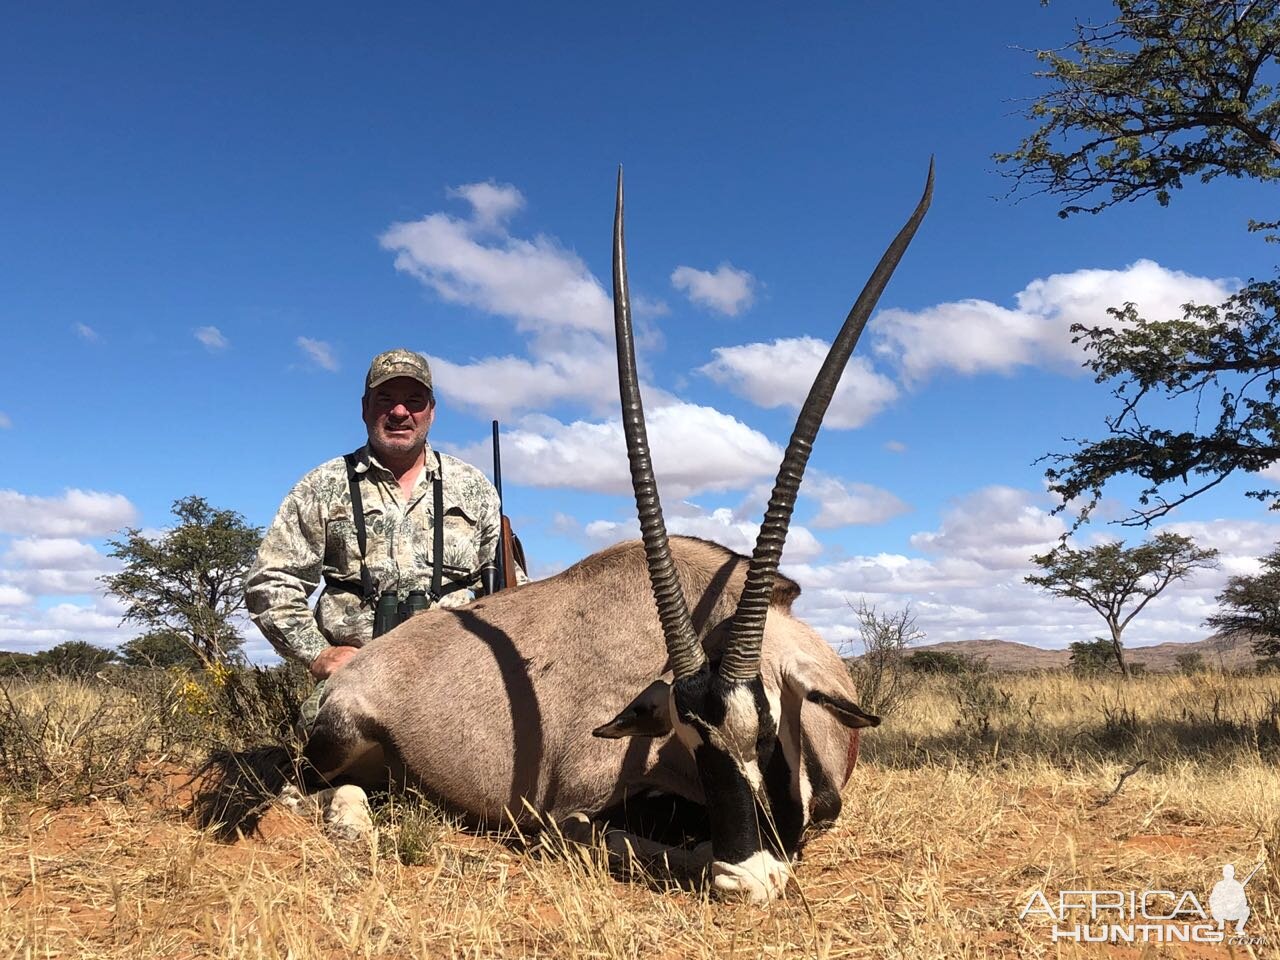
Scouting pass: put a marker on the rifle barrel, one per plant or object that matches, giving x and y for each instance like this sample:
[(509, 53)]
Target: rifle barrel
[(497, 464), (499, 554)]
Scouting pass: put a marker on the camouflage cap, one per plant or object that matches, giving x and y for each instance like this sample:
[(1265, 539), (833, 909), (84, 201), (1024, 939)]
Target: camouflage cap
[(397, 363)]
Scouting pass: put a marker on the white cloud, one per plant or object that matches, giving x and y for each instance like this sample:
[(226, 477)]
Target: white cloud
[(1240, 543), (475, 261), (46, 561), (498, 386), (85, 332), (998, 528), (77, 513), (212, 338), (841, 504), (611, 531), (780, 374), (970, 584), (492, 204), (1084, 295), (891, 574), (1272, 472), (5, 421), (725, 527), (895, 446), (694, 448), (44, 583), (14, 597), (1231, 537), (727, 290), (319, 352), (27, 635), (56, 553), (971, 336), (646, 308), (977, 336), (78, 618), (55, 566), (546, 291), (564, 525), (577, 366), (29, 629), (721, 525), (25, 627)]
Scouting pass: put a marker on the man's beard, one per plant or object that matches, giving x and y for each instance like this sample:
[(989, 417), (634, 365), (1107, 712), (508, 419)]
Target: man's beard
[(396, 447)]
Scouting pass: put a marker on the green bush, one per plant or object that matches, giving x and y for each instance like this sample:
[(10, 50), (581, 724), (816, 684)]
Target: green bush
[(1190, 663), (941, 662), (1093, 656)]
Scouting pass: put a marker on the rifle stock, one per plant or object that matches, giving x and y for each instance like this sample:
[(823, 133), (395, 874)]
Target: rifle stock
[(506, 552), (507, 568)]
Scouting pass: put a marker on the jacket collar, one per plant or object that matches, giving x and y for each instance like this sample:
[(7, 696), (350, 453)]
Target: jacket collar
[(366, 462)]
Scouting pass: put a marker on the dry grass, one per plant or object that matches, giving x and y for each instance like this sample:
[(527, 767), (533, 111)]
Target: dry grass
[(977, 793)]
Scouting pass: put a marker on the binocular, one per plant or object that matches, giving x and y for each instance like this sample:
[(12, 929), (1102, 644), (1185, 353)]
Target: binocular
[(391, 610)]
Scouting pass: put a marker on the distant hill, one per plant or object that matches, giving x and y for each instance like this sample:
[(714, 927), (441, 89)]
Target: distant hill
[(1005, 655)]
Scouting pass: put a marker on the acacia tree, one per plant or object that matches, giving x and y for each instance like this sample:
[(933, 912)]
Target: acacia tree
[(76, 659), (159, 648), (188, 582), (1251, 607), (1107, 577), (1167, 90)]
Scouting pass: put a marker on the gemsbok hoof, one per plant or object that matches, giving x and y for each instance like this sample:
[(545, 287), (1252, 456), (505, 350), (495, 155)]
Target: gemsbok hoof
[(296, 802), (348, 817), (578, 828), (759, 880)]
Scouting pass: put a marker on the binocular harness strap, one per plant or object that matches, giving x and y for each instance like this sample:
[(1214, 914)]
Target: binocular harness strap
[(357, 517), (437, 521)]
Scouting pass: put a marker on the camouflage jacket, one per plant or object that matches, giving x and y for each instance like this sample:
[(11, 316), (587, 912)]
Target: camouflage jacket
[(313, 539)]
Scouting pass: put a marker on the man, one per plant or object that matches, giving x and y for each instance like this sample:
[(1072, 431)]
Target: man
[(315, 535), (1227, 901)]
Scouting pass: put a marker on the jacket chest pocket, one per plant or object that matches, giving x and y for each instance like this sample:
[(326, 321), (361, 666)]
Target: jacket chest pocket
[(460, 535), (341, 546)]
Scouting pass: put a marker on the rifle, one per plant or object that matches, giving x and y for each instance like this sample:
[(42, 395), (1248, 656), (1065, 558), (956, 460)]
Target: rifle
[(509, 548)]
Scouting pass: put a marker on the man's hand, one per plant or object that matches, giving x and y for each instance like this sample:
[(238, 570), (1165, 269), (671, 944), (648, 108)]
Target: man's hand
[(331, 661)]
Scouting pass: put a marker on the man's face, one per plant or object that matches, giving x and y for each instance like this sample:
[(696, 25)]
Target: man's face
[(398, 415)]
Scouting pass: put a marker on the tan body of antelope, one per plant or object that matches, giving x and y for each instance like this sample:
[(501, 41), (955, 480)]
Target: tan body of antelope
[(550, 701), (492, 707)]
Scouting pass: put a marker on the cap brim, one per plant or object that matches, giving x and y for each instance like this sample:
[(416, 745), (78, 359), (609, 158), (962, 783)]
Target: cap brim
[(396, 375)]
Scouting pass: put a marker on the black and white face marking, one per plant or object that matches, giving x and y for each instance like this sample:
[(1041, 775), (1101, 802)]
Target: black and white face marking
[(730, 729), (762, 780)]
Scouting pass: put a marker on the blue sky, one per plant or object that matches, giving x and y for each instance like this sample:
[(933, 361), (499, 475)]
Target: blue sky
[(215, 218)]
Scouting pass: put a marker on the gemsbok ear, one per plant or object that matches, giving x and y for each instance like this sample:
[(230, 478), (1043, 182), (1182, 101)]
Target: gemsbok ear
[(846, 711), (805, 679), (648, 715)]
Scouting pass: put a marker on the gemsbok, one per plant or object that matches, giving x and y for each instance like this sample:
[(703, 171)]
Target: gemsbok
[(551, 704)]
